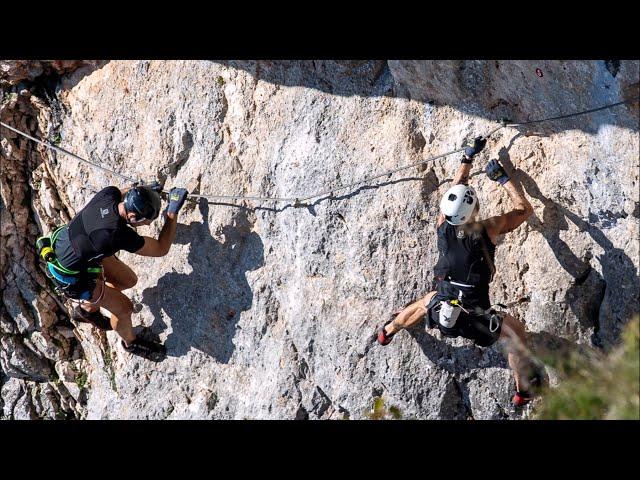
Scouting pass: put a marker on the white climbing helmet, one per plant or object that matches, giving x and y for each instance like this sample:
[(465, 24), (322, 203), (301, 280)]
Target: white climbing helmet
[(458, 203)]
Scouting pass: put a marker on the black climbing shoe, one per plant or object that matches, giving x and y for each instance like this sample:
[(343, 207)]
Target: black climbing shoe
[(94, 318), (154, 351)]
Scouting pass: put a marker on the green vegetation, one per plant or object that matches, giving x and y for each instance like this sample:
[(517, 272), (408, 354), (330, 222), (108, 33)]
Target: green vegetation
[(62, 415), (7, 97), (598, 388), (81, 380), (54, 378), (381, 412), (220, 81), (108, 367)]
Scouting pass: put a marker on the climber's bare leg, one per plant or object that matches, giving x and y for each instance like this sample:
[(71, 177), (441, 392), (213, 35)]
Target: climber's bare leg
[(118, 275), (120, 308), (513, 337), (410, 315)]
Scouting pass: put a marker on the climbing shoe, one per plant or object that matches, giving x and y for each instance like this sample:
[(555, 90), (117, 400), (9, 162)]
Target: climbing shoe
[(536, 382), (383, 337), (520, 399), (154, 351), (94, 318)]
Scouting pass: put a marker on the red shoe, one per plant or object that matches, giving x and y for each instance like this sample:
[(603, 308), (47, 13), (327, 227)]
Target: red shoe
[(383, 337), (520, 399), (536, 383)]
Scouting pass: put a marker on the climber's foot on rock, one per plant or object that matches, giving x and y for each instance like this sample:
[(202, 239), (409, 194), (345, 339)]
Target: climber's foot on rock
[(383, 337), (153, 351), (520, 399), (536, 383), (96, 319)]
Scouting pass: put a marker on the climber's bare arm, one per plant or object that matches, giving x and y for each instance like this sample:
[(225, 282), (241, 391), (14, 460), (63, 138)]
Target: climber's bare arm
[(462, 176), (161, 246), (508, 222)]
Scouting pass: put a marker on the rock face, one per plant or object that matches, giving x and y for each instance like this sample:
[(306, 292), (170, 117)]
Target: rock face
[(13, 72), (267, 310), (36, 340)]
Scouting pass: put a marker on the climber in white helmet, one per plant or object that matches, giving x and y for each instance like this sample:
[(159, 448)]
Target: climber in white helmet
[(460, 305)]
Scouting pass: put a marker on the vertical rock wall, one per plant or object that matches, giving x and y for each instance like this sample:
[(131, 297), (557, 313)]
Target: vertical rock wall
[(39, 355), (268, 311)]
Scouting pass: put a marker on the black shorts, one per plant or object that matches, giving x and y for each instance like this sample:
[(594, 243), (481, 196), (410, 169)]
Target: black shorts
[(473, 327)]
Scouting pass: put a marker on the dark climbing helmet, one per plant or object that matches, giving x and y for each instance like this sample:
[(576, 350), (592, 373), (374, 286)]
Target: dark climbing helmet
[(144, 202)]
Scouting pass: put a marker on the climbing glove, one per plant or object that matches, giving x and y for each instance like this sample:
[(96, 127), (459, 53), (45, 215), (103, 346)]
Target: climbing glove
[(177, 197), (469, 152), (496, 172)]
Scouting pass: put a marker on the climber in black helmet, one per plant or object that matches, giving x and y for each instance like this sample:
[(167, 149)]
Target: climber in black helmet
[(460, 305), (81, 262)]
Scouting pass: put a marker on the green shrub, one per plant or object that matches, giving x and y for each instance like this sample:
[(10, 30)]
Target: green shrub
[(598, 388), (381, 412)]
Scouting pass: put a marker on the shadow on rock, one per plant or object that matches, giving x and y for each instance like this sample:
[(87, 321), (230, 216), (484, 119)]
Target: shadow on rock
[(455, 359), (204, 306), (547, 349), (552, 350), (338, 77), (588, 292), (489, 89)]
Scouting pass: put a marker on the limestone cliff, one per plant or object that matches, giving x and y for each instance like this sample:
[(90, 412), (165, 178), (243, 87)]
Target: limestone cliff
[(268, 311)]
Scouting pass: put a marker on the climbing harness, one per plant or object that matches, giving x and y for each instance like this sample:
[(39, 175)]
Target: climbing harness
[(493, 316), (299, 202), (62, 277), (449, 310)]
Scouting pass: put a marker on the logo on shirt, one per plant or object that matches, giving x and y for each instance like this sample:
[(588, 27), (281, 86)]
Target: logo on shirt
[(460, 233), (104, 211)]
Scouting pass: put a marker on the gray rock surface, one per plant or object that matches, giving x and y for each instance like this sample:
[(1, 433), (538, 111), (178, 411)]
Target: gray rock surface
[(268, 311)]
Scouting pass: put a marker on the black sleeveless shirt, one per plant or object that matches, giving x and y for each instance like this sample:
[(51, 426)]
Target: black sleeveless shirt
[(466, 257)]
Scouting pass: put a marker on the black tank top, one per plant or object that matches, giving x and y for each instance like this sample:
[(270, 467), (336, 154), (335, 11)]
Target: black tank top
[(466, 256), (97, 231)]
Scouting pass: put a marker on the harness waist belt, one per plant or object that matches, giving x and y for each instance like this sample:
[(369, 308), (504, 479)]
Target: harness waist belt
[(69, 280), (458, 284)]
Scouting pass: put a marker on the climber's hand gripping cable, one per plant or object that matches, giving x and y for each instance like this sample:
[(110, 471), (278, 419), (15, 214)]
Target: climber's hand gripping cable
[(462, 175), (177, 196), (472, 150), (161, 246)]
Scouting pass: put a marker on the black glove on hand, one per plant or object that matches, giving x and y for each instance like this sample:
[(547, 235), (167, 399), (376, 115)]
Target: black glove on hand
[(496, 172), (469, 152), (177, 196)]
